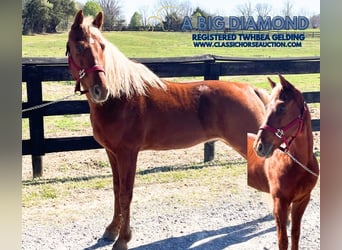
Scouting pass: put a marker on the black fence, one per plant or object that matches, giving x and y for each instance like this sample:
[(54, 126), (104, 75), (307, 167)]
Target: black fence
[(211, 67)]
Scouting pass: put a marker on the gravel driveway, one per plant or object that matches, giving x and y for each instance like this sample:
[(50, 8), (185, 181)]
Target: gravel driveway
[(238, 217)]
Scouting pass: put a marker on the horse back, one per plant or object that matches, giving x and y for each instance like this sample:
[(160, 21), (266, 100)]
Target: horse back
[(217, 109)]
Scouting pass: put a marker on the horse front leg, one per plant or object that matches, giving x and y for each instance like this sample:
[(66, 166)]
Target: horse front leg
[(281, 207), (112, 230), (127, 160), (297, 212)]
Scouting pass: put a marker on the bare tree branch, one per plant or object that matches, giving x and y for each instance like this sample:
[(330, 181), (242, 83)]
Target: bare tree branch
[(112, 13), (263, 9), (288, 6), (144, 12), (245, 9)]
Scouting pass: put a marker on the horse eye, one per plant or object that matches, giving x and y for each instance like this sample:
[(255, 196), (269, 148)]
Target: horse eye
[(79, 49), (280, 109)]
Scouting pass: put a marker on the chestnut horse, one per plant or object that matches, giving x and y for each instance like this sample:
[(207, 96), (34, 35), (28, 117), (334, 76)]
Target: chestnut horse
[(131, 109), (281, 160)]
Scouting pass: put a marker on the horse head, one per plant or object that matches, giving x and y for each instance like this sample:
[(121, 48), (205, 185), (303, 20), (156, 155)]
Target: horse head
[(284, 118), (85, 50)]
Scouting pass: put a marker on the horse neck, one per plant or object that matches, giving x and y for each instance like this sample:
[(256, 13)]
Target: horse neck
[(103, 109)]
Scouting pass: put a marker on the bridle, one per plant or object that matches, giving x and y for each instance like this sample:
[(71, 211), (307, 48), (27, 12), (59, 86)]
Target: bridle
[(82, 73), (280, 132)]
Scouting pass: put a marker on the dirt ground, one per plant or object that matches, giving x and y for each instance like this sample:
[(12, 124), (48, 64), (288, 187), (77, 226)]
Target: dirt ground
[(164, 215)]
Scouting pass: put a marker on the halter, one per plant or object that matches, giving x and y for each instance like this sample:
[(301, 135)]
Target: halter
[(280, 132), (82, 73)]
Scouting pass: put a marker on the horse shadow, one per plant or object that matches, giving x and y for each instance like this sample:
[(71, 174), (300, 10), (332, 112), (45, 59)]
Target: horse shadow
[(205, 240), (189, 166)]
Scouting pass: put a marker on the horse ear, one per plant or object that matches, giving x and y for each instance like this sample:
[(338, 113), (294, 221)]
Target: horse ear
[(78, 20), (67, 51), (284, 82), (272, 83), (98, 21)]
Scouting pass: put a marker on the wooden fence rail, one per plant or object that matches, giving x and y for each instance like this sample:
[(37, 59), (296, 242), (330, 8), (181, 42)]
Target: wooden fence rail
[(211, 67)]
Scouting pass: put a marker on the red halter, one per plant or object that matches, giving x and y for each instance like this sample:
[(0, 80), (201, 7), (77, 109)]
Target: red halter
[(82, 73), (279, 132)]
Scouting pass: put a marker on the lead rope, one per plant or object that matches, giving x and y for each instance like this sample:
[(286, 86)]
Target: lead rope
[(49, 103), (300, 164)]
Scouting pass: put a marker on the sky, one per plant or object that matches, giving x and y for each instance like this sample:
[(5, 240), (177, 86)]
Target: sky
[(222, 7)]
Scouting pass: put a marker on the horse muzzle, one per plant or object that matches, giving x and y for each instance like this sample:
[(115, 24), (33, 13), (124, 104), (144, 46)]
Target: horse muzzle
[(98, 93), (263, 149)]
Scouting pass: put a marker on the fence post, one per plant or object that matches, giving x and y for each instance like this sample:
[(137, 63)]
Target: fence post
[(36, 123), (212, 72)]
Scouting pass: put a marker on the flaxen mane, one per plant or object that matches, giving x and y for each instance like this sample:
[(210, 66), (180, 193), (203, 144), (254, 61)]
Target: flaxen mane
[(125, 77)]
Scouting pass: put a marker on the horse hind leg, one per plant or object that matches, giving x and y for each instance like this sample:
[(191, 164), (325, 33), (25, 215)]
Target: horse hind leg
[(297, 212)]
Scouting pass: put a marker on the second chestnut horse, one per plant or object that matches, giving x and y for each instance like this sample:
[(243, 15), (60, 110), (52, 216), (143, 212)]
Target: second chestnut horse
[(281, 159)]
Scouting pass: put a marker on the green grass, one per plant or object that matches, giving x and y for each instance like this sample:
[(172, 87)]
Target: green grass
[(160, 44), (44, 45), (74, 123), (192, 172), (172, 44), (36, 192), (152, 44), (41, 193)]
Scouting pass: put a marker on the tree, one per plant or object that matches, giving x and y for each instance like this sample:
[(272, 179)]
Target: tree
[(195, 14), (199, 12), (315, 21), (172, 22), (61, 10), (169, 13), (35, 16), (45, 15), (143, 11), (263, 9), (287, 10), (245, 9), (91, 8), (136, 21), (186, 9), (112, 14)]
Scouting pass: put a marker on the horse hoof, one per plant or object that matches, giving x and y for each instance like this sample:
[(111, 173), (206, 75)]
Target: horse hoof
[(110, 236), (120, 245)]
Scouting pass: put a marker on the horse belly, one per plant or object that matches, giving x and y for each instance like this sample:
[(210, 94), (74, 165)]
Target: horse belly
[(256, 178), (175, 134)]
